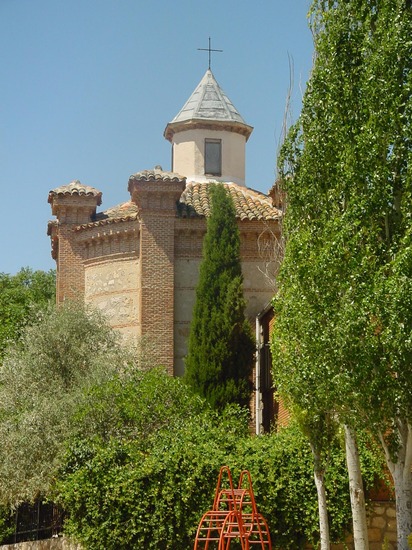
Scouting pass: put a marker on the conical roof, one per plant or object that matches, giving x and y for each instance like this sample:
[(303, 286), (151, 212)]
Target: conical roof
[(208, 104)]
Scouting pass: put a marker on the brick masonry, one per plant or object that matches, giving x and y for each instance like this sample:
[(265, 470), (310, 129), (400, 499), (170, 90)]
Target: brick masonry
[(140, 268), (157, 204)]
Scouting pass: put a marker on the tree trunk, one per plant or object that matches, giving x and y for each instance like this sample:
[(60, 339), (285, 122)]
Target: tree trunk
[(323, 512), (357, 497), (403, 493), (402, 478), (319, 475)]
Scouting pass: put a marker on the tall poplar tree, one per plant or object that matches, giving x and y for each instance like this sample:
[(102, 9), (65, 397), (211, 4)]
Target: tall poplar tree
[(221, 345), (343, 337)]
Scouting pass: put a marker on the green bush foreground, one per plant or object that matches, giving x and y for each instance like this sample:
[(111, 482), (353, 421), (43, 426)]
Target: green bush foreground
[(130, 453), (147, 480)]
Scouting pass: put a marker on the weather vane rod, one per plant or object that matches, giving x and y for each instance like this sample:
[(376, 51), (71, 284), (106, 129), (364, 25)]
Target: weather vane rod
[(210, 50)]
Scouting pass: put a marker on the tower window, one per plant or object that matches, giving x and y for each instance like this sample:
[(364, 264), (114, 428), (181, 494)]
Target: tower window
[(213, 157)]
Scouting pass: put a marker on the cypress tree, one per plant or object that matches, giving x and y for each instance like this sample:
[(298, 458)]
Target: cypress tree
[(221, 344)]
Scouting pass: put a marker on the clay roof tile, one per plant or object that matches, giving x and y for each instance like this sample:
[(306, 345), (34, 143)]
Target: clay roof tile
[(75, 188), (157, 174), (249, 204)]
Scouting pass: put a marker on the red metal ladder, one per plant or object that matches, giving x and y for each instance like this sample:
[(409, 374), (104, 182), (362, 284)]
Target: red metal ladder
[(234, 516)]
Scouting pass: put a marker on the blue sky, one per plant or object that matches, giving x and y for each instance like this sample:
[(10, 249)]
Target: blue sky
[(88, 86)]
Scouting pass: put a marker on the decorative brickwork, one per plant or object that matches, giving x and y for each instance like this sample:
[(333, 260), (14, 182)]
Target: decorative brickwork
[(138, 262), (157, 198), (72, 204)]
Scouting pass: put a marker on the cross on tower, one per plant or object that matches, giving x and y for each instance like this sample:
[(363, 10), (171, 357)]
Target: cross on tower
[(209, 49)]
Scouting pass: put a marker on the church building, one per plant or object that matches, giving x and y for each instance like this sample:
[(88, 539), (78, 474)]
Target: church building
[(138, 262)]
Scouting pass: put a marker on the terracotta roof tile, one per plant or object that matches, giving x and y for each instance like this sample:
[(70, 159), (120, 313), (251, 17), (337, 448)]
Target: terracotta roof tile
[(76, 188), (124, 212), (156, 174), (194, 203), (249, 204)]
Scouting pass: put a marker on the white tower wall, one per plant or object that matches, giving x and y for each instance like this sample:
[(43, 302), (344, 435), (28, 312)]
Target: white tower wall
[(189, 151)]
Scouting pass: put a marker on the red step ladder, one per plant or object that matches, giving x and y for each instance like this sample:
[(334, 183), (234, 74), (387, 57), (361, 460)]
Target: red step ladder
[(234, 516)]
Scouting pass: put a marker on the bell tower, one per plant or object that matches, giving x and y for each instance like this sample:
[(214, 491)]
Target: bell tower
[(208, 136)]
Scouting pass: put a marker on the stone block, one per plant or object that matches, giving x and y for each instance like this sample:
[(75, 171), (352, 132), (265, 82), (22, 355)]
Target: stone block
[(391, 512), (379, 521), (375, 534)]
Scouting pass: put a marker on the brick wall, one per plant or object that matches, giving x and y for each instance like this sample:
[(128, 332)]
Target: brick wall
[(70, 271), (156, 304), (156, 198), (69, 252)]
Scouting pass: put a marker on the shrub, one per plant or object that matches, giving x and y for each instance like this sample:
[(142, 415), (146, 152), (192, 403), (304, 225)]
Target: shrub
[(42, 383), (150, 487)]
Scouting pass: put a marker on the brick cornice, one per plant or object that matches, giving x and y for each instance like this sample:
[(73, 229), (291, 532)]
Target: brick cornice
[(75, 202), (74, 209), (156, 196), (96, 234)]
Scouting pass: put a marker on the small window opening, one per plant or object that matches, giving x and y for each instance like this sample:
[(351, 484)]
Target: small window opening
[(213, 157)]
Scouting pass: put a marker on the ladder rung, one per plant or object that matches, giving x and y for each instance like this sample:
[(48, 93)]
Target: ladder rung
[(240, 520)]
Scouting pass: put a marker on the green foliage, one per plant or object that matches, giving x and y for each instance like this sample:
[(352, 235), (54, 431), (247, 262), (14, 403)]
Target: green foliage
[(42, 383), (221, 345), (281, 465), (342, 340), (6, 523), (148, 489), (134, 405), (149, 483), (21, 297), (344, 316)]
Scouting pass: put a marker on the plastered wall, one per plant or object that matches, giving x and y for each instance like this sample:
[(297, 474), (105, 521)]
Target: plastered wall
[(112, 285), (258, 290), (188, 154)]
